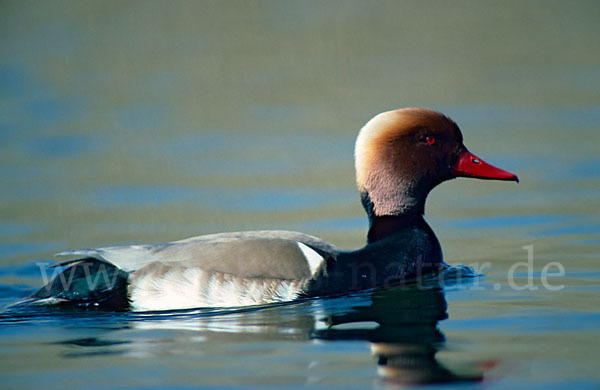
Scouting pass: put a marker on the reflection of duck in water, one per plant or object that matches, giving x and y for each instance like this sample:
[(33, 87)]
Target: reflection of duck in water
[(406, 338), (400, 157), (401, 325)]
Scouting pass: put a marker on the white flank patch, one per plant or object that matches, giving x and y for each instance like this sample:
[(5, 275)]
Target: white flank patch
[(194, 288), (313, 259), (286, 292), (175, 290)]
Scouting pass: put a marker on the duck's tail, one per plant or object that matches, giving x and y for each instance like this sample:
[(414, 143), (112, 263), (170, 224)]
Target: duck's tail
[(84, 283)]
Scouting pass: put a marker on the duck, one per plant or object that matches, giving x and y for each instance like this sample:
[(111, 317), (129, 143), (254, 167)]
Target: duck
[(400, 156)]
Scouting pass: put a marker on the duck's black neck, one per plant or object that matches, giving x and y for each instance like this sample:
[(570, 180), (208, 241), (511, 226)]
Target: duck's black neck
[(382, 227)]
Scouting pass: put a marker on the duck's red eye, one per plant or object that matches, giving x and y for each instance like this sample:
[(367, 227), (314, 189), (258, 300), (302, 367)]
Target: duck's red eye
[(430, 140)]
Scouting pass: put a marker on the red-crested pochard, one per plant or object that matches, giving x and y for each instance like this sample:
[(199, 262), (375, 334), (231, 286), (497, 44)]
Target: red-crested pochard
[(400, 156)]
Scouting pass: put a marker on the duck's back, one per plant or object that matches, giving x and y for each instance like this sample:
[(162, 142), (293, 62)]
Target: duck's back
[(226, 269)]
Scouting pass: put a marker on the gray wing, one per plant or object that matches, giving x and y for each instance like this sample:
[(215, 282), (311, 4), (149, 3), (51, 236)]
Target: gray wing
[(256, 254)]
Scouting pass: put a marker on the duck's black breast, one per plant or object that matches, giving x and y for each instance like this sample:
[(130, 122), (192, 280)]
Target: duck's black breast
[(409, 252)]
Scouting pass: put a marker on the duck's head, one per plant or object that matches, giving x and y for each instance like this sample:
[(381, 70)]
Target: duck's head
[(401, 155)]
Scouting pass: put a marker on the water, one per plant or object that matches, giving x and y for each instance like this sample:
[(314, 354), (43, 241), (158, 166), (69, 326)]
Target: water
[(151, 122)]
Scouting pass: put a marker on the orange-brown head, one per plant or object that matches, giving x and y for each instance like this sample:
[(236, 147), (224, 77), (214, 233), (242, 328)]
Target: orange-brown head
[(401, 155)]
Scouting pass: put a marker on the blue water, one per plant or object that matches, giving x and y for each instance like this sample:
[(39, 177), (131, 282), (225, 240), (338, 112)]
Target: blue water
[(400, 325)]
